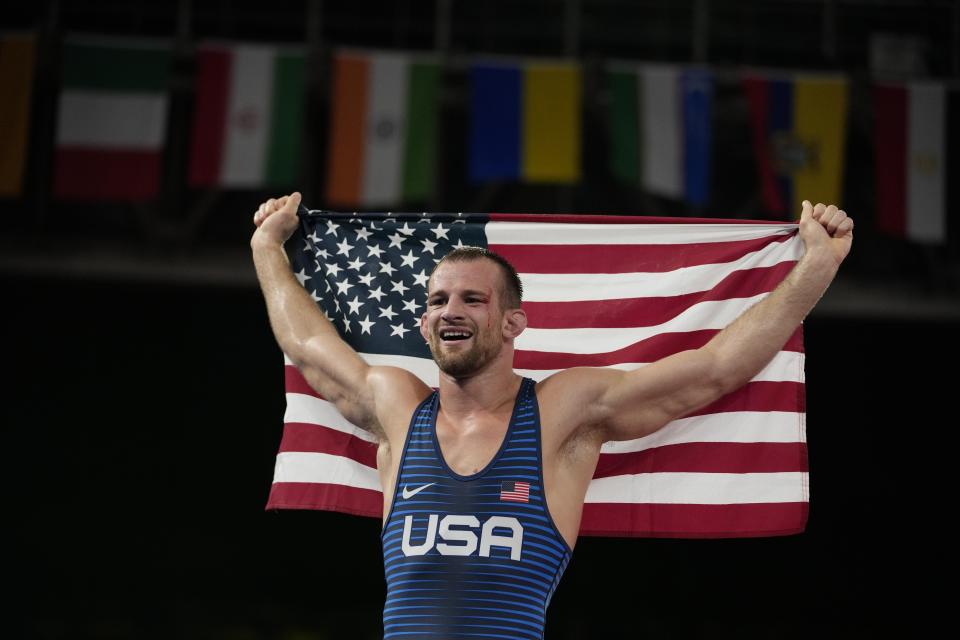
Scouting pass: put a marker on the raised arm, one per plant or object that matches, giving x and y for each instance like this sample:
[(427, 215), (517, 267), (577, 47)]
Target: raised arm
[(627, 405), (328, 363)]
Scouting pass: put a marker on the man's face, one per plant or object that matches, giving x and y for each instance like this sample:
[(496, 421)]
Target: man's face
[(463, 320)]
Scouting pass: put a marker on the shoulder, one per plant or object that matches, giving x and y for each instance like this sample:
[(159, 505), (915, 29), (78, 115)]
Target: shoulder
[(568, 400), (396, 393)]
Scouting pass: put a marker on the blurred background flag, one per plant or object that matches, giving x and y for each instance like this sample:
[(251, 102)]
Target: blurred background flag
[(383, 129), (525, 122), (248, 122), (17, 56), (911, 134), (660, 129), (111, 118), (601, 291), (799, 132)]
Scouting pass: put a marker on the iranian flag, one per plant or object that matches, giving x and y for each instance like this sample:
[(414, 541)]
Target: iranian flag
[(248, 122), (382, 129), (111, 119)]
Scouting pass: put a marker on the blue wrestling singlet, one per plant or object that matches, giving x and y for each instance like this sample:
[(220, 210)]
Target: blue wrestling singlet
[(471, 556)]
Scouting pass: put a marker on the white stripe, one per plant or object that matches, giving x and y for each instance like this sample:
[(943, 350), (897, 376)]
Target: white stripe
[(386, 130), (567, 287), (324, 468), (112, 120), (311, 410), (582, 234), (248, 117), (786, 366), (706, 315), (926, 157), (735, 426), (661, 131), (699, 488)]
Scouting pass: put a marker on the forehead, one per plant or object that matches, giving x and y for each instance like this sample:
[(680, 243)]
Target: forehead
[(474, 275)]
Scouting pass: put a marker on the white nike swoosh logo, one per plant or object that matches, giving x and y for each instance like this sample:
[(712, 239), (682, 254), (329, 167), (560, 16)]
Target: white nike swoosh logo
[(407, 494)]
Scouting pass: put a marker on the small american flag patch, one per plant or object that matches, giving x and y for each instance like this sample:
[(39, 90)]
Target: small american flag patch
[(515, 491)]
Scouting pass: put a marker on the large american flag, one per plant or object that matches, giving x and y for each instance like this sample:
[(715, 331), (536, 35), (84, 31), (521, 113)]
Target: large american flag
[(602, 291)]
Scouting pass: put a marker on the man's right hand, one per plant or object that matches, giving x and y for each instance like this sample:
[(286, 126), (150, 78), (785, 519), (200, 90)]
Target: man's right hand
[(276, 220)]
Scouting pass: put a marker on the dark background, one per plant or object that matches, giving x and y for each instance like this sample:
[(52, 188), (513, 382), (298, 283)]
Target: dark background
[(145, 397)]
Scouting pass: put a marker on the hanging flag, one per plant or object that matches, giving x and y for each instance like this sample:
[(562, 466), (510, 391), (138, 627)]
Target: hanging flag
[(911, 134), (248, 123), (661, 132), (799, 132), (599, 291), (383, 129), (17, 55), (111, 119), (525, 122)]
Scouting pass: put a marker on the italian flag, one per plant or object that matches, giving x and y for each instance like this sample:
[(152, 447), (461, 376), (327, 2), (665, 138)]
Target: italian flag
[(382, 129), (911, 133), (248, 123), (111, 119)]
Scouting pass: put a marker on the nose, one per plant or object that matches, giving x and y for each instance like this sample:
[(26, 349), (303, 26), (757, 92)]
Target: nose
[(453, 310)]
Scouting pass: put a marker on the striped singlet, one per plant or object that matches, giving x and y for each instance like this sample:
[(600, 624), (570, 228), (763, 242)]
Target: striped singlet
[(471, 556)]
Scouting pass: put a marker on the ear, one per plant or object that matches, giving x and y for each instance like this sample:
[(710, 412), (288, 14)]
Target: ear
[(423, 327), (514, 322)]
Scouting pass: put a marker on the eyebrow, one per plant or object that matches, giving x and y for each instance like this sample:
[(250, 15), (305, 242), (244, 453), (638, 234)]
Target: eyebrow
[(468, 292)]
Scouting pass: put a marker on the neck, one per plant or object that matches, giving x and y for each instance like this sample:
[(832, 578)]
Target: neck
[(484, 391)]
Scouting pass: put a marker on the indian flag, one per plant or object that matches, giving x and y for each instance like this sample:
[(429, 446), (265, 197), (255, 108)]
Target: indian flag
[(111, 119), (248, 123), (382, 129)]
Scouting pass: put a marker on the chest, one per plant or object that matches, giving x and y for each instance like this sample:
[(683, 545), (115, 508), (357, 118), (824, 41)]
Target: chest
[(468, 447)]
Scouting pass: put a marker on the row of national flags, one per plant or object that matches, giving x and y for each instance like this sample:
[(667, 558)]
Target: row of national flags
[(525, 124)]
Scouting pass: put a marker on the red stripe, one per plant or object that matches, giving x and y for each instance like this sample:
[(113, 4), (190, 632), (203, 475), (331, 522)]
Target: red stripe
[(890, 133), (648, 350), (100, 174), (707, 457), (759, 396), (616, 219), (758, 97), (315, 438), (627, 258), (694, 521), (648, 312), (326, 497), (294, 382), (209, 123)]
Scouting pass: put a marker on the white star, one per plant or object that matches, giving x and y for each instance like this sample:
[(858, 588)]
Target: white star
[(399, 286), (374, 250), (440, 232), (344, 248), (428, 245), (398, 330), (332, 269), (387, 312), (336, 305), (343, 287), (365, 324), (386, 267), (362, 234), (406, 230), (346, 326), (356, 264), (366, 280), (408, 259), (316, 298), (302, 276), (396, 239), (314, 238), (421, 278), (355, 305), (411, 306), (331, 228), (323, 252), (460, 244), (377, 293), (327, 282)]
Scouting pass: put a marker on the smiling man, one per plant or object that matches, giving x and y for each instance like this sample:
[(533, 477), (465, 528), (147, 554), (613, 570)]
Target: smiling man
[(484, 479)]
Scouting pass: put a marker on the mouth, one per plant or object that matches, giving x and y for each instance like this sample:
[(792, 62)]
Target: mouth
[(454, 334)]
